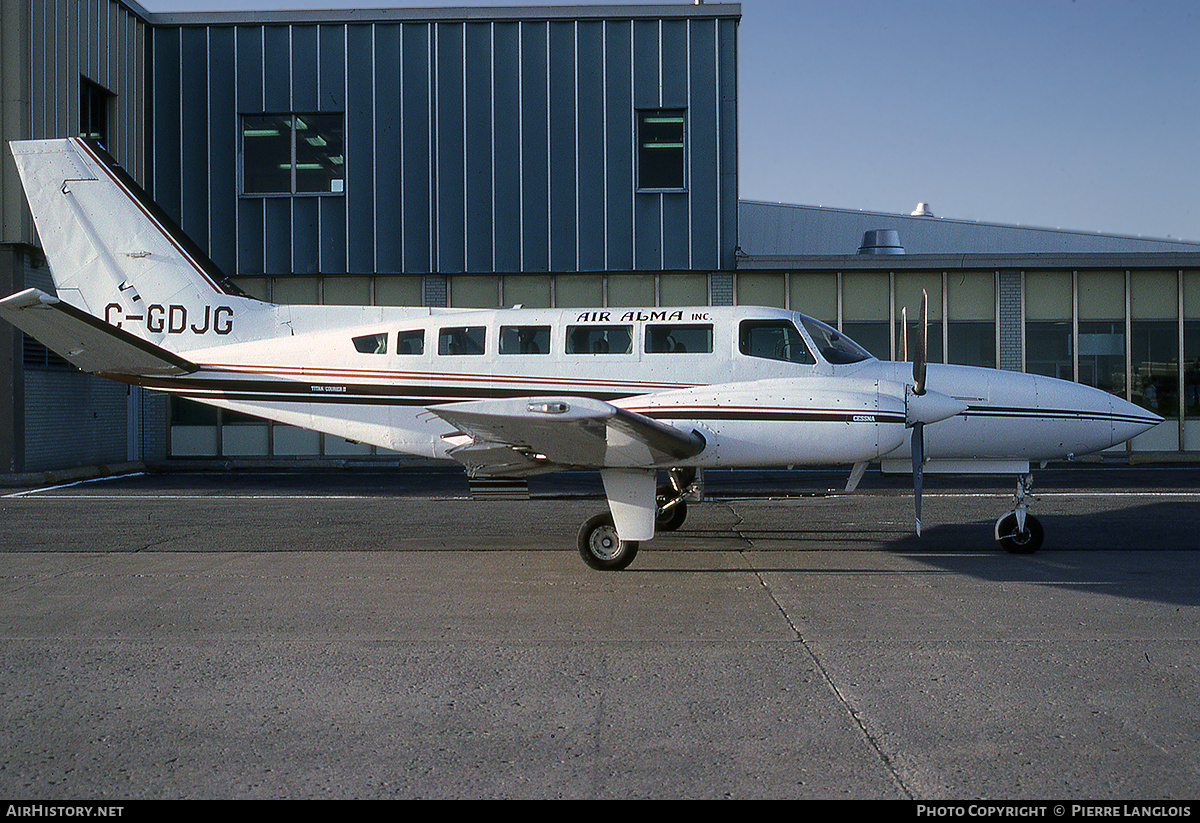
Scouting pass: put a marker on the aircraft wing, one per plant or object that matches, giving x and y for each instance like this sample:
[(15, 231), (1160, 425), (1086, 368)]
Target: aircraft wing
[(529, 435), (86, 341)]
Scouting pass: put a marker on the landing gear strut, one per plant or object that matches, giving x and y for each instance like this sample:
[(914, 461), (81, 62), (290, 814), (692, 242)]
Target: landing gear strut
[(671, 499), (1018, 531), (602, 548)]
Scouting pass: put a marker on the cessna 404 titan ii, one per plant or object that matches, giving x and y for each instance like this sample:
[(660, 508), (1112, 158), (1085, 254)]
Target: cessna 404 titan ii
[(515, 392)]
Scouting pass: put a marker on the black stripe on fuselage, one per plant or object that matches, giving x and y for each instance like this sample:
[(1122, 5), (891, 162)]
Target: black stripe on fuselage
[(789, 415), (294, 391), (1022, 413)]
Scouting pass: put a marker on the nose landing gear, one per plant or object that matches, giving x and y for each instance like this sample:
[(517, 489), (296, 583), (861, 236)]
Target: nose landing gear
[(1018, 531)]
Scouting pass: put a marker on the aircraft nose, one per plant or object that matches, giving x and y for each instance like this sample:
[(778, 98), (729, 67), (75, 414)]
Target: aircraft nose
[(1130, 420), (1105, 419)]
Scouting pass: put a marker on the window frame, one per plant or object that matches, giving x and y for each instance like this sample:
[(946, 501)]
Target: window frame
[(95, 103), (294, 154), (645, 144)]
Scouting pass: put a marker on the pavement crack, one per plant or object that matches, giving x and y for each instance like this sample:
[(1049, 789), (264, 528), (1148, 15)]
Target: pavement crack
[(872, 741)]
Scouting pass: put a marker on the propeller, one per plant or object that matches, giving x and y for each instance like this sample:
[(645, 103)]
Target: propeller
[(922, 406), (918, 389)]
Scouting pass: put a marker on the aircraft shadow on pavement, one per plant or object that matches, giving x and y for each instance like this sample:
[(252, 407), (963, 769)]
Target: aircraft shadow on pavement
[(1148, 552)]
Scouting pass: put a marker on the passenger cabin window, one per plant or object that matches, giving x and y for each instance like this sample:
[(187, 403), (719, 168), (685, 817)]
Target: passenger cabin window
[(680, 338), (524, 339), (411, 342), (371, 343), (461, 340), (599, 339), (774, 340)]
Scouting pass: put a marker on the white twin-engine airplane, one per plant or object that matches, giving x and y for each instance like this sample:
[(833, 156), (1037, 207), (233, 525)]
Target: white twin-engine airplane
[(515, 392)]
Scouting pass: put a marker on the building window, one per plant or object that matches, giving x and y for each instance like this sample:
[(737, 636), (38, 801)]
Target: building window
[(93, 111), (292, 154), (662, 159)]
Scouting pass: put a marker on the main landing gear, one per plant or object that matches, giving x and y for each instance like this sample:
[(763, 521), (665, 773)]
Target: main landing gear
[(1018, 531), (603, 549)]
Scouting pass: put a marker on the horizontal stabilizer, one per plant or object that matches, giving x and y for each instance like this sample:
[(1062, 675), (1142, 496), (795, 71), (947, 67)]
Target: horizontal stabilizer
[(525, 435), (86, 341)]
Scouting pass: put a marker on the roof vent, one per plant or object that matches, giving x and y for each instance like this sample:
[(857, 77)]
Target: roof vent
[(881, 241), (922, 210)]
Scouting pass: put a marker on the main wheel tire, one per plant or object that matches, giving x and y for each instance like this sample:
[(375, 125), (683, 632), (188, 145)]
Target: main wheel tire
[(668, 520), (601, 547), (1017, 542)]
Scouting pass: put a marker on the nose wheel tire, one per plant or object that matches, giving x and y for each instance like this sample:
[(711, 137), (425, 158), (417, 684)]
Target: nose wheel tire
[(600, 546), (1016, 541)]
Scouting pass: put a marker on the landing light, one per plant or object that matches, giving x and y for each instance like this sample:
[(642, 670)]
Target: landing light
[(549, 408)]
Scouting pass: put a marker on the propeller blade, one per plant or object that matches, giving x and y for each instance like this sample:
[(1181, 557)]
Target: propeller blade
[(921, 347), (918, 461), (920, 351), (903, 332)]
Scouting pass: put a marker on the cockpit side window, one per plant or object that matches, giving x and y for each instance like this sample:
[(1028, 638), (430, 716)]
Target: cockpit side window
[(774, 340), (834, 346)]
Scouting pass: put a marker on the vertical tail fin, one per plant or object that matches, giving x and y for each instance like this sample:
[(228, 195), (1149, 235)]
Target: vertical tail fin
[(116, 255)]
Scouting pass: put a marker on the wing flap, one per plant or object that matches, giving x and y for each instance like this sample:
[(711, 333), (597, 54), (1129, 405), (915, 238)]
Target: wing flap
[(85, 341), (527, 435)]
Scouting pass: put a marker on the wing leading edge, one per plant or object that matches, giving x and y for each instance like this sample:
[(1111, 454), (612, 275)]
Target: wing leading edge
[(530, 435)]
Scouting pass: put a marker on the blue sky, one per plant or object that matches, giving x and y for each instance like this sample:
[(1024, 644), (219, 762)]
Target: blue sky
[(1081, 114)]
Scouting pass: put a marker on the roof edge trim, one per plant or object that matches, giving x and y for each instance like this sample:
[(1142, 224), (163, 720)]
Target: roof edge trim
[(446, 15)]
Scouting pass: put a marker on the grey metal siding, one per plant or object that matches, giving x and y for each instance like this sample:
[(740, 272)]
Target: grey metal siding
[(415, 220), (331, 84), (506, 143), (535, 148), (470, 145)]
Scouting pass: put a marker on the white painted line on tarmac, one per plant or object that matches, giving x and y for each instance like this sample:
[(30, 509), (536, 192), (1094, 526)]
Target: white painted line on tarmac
[(43, 489)]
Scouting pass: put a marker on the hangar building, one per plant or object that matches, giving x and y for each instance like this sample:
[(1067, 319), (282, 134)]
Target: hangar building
[(547, 156)]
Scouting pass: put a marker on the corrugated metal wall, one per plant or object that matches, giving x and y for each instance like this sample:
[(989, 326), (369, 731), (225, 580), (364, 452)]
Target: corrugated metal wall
[(70, 418), (100, 40), (53, 43), (471, 146), (58, 417)]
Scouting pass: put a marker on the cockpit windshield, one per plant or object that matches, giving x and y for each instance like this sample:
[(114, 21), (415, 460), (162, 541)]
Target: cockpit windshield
[(832, 345)]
